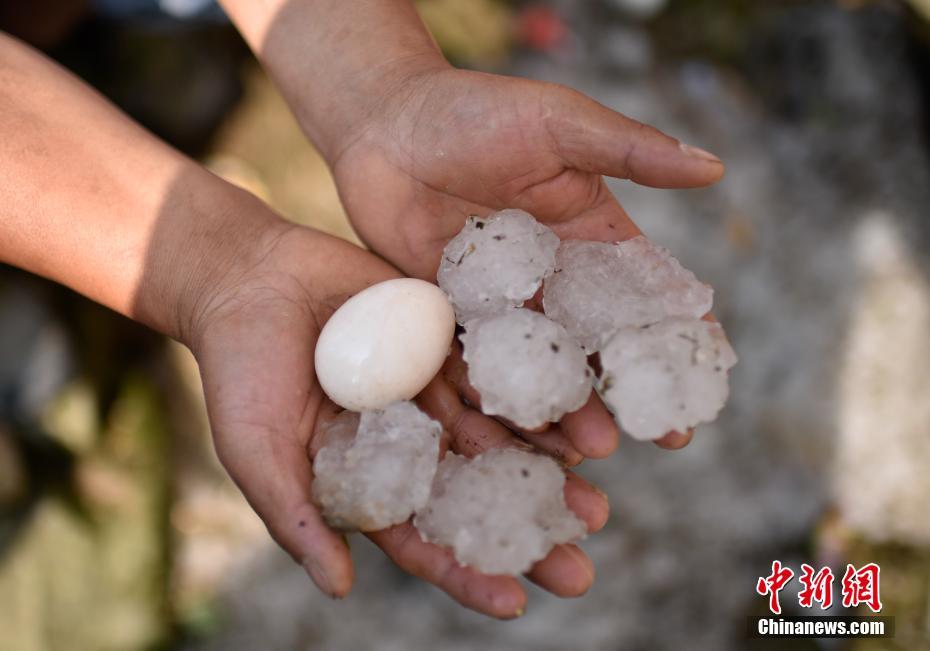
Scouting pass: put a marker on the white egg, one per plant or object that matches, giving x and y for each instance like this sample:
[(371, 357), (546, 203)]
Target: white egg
[(384, 344)]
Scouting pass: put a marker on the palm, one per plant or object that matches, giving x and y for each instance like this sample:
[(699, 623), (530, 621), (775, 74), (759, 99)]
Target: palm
[(455, 143), (256, 355), (468, 143)]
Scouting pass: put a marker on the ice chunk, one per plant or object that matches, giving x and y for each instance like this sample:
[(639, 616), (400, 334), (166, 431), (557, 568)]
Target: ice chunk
[(496, 263), (376, 470), (667, 376), (500, 512), (526, 367), (599, 287)]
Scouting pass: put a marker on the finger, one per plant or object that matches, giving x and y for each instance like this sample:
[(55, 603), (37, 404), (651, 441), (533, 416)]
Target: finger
[(274, 473), (497, 596), (566, 572), (547, 438), (591, 137), (604, 220), (675, 440), (553, 442), (591, 429), (587, 502), (470, 431)]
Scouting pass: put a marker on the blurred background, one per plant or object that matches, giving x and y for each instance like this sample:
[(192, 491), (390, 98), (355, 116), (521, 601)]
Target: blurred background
[(120, 531)]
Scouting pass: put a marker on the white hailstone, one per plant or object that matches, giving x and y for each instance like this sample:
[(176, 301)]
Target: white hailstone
[(667, 376), (599, 287), (526, 367), (500, 512), (495, 263), (376, 470)]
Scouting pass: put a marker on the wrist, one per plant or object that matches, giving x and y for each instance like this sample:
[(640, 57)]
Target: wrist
[(209, 236), (337, 63), (369, 98)]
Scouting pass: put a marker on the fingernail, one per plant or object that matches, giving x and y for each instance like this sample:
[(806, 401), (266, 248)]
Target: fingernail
[(518, 612), (318, 575), (697, 152)]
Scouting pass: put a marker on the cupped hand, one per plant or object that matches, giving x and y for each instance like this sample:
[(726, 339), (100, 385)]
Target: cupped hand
[(448, 143), (253, 334)]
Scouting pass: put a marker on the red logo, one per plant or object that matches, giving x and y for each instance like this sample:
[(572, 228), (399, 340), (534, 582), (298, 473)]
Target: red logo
[(817, 587), (859, 586), (772, 584)]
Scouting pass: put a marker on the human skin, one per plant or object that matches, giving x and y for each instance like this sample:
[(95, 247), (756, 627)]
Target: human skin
[(416, 146), (91, 200)]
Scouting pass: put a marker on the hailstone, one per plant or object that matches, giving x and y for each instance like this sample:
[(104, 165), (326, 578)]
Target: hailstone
[(600, 287), (500, 512), (667, 376), (375, 469), (525, 367), (496, 263)]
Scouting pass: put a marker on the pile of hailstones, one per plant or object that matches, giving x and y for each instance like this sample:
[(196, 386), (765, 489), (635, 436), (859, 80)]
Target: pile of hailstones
[(629, 308)]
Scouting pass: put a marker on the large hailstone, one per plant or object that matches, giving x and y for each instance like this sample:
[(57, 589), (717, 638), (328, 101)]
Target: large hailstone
[(598, 288), (496, 263), (667, 376), (526, 367), (376, 470), (500, 512)]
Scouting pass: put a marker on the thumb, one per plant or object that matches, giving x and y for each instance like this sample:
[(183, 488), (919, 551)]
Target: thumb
[(274, 474), (262, 407), (591, 137)]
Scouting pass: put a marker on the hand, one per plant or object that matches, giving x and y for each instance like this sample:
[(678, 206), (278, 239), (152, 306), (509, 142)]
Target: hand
[(448, 143), (95, 202), (415, 146), (254, 334)]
